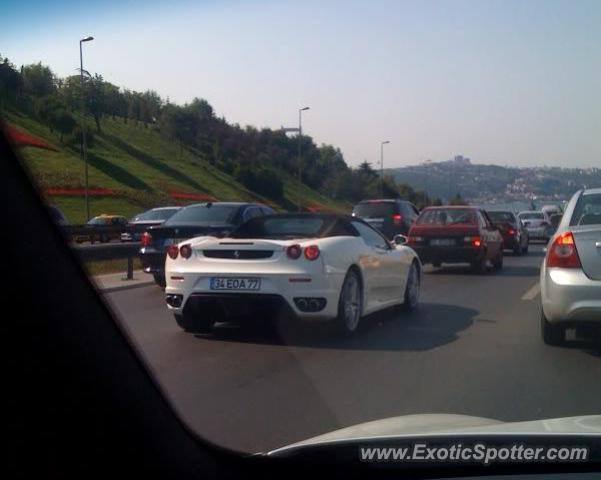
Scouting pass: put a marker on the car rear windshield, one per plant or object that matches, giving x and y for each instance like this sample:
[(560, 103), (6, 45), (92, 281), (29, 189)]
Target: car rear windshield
[(447, 216), (587, 210), (160, 214), (203, 214), (375, 209), (502, 217), (532, 216)]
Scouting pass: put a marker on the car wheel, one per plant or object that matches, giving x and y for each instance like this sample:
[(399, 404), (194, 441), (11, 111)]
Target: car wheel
[(518, 250), (412, 290), (201, 324), (552, 334), (525, 248), (480, 266), (349, 304), (497, 263), (159, 279)]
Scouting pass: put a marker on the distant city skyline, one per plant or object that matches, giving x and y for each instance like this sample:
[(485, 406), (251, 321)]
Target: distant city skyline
[(501, 82)]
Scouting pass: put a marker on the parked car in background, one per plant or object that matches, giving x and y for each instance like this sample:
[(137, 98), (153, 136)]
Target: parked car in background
[(103, 228), (514, 233), (457, 235), (570, 277), (537, 223), (212, 218), (314, 266), (390, 216), (57, 215), (138, 224)]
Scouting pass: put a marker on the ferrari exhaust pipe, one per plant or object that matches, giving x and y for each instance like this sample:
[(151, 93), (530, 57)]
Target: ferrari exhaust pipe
[(314, 304)]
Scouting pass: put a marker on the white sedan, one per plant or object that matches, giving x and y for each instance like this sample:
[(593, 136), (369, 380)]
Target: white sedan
[(314, 266)]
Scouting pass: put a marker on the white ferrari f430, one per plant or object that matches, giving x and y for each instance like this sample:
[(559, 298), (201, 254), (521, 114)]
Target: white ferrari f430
[(312, 266)]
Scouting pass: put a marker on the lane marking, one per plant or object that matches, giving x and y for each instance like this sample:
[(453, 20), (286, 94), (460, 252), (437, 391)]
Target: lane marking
[(532, 293)]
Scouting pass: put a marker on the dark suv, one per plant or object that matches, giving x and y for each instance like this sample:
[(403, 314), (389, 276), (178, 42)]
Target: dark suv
[(391, 217)]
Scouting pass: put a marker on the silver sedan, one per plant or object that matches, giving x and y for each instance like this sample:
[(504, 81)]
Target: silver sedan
[(570, 276)]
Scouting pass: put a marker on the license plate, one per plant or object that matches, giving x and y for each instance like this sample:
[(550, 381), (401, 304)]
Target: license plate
[(235, 283), (442, 242)]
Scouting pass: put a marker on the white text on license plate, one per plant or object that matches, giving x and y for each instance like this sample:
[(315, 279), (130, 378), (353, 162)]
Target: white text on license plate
[(442, 242), (234, 283)]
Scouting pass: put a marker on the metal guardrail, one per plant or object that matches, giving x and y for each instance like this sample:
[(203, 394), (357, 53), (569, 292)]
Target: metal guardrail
[(115, 251)]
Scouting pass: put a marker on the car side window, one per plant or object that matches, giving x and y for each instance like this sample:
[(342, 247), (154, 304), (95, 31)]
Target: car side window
[(251, 212), (370, 236)]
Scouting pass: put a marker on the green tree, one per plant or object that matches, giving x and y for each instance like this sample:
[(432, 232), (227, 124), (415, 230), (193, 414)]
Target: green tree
[(64, 122), (10, 81), (95, 98), (38, 80)]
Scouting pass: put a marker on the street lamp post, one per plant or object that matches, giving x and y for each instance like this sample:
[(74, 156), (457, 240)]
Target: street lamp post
[(300, 158), (382, 167), (84, 146)]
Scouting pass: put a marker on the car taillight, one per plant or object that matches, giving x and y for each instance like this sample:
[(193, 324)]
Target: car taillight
[(473, 241), (312, 252), (172, 251), (511, 231), (185, 251), (294, 252), (146, 239), (563, 253), (396, 219)]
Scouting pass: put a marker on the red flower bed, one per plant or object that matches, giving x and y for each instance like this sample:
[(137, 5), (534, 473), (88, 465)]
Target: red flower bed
[(68, 191), (22, 139), (201, 197)]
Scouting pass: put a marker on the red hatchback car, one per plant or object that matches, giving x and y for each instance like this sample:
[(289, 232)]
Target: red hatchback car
[(456, 235)]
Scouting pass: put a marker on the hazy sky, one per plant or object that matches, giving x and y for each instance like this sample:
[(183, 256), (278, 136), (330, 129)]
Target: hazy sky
[(507, 82)]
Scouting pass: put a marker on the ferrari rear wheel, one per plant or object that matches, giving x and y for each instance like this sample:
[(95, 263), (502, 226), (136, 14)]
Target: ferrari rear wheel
[(350, 304)]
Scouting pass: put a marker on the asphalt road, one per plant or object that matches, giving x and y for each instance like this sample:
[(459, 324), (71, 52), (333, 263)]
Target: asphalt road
[(473, 347)]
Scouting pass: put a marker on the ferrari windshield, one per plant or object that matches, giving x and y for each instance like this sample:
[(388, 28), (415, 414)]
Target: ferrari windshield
[(283, 227)]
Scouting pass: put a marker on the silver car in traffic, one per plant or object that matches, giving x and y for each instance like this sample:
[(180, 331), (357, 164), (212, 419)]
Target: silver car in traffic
[(570, 276), (538, 224)]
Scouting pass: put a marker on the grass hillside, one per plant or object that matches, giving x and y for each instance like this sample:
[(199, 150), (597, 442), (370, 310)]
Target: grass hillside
[(143, 168)]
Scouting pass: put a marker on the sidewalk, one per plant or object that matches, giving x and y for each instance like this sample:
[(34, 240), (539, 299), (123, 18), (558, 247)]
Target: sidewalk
[(113, 282)]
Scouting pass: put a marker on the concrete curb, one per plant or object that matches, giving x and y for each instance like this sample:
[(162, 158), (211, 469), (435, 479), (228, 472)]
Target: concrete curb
[(114, 282), (126, 286)]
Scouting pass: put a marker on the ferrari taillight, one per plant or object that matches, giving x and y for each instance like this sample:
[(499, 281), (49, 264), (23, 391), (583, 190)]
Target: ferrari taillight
[(294, 252), (172, 251), (146, 239), (563, 253), (185, 251), (312, 252)]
